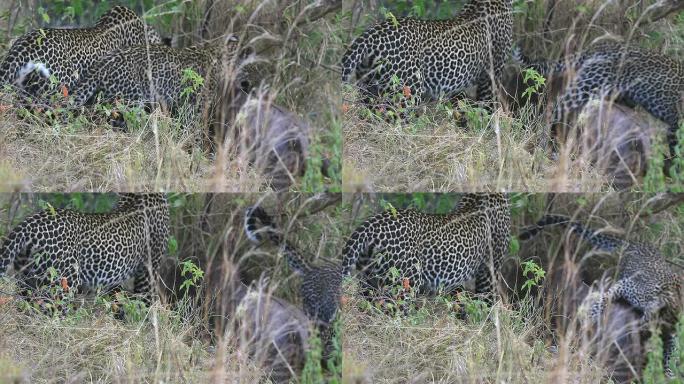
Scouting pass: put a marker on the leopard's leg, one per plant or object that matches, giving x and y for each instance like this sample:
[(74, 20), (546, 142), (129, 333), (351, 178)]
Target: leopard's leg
[(673, 122), (327, 335), (145, 281), (668, 112), (487, 272), (595, 80), (669, 337), (599, 306), (651, 310), (485, 91), (574, 98), (484, 282)]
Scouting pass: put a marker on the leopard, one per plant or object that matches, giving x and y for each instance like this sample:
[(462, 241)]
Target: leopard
[(632, 75), (433, 253), (158, 74), (63, 54), (321, 283), (92, 251), (433, 59), (645, 279)]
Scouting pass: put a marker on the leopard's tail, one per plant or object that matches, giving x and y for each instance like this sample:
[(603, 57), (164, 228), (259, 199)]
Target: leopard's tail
[(17, 242), (599, 240), (544, 68), (259, 227), (352, 58)]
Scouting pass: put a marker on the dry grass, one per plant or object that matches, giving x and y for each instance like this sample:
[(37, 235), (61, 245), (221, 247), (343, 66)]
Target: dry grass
[(511, 153), (436, 154), (172, 342), (159, 156), (90, 345), (165, 153), (541, 339), (432, 345)]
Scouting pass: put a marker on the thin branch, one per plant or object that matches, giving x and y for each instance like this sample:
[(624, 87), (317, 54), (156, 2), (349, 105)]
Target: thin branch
[(319, 202), (660, 10), (317, 10), (662, 202), (550, 11)]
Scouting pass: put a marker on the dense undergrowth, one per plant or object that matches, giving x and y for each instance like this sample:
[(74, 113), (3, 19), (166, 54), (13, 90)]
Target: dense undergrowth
[(447, 338), (46, 149), (179, 338), (520, 339), (507, 149)]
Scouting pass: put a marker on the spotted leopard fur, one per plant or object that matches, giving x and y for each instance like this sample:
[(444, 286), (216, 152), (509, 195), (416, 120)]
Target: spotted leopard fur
[(434, 252), (321, 284), (66, 53), (320, 288), (433, 58), (635, 75), (92, 250), (645, 280), (155, 73)]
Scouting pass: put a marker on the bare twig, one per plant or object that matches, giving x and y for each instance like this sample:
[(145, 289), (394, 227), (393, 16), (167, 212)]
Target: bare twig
[(318, 203), (317, 10), (662, 202), (660, 10)]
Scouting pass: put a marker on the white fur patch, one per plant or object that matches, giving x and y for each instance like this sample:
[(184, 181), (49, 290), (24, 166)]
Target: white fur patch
[(30, 67)]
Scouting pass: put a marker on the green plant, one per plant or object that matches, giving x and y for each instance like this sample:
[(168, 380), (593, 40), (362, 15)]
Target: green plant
[(173, 245), (134, 116), (475, 309), (387, 206), (538, 274), (192, 81), (133, 310), (195, 275), (47, 207), (51, 299), (424, 9), (538, 82), (476, 117), (654, 372), (390, 16), (513, 246), (655, 179)]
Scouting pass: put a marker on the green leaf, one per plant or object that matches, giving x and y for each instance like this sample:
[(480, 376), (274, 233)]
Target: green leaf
[(50, 209), (44, 15), (173, 245), (393, 19), (513, 246)]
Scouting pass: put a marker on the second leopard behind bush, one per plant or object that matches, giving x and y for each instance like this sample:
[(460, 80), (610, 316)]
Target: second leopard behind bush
[(146, 75)]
